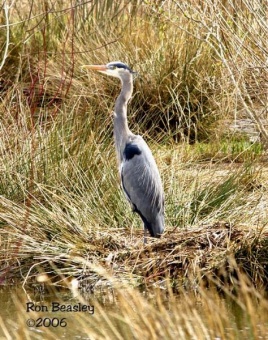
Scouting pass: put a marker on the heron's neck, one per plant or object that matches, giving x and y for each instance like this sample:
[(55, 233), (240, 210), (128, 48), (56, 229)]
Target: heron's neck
[(121, 130)]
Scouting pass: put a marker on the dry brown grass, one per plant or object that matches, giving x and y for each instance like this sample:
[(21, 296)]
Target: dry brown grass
[(202, 66), (123, 312)]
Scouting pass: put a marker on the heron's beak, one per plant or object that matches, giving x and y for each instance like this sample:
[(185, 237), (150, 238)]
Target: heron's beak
[(95, 67)]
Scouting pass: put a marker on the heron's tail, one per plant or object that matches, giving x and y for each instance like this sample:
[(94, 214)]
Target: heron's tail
[(155, 228)]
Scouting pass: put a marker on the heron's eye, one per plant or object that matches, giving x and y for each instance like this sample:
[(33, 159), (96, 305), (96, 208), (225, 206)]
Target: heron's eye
[(112, 67)]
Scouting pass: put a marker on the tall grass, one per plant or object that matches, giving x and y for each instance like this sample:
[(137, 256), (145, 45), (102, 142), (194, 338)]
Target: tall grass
[(202, 66), (199, 65), (126, 313)]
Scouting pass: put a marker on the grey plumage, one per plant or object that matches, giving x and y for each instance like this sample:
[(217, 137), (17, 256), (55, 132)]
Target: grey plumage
[(140, 177), (142, 185)]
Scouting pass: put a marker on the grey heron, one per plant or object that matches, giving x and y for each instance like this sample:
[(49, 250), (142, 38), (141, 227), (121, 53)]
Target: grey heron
[(139, 174)]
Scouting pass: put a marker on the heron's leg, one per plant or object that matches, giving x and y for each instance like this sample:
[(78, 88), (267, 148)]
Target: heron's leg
[(145, 238)]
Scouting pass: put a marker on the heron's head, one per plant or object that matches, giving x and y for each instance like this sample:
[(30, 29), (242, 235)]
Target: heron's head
[(115, 69)]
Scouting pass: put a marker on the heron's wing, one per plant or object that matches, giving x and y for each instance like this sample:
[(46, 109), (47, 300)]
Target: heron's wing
[(141, 180)]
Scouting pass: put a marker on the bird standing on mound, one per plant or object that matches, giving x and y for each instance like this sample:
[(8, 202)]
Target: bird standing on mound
[(140, 177)]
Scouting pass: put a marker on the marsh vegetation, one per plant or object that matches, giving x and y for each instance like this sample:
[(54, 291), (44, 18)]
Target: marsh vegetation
[(202, 73)]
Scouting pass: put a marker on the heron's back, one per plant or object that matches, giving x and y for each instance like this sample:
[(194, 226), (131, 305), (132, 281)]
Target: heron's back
[(142, 184)]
